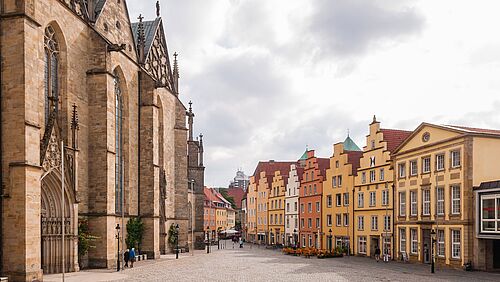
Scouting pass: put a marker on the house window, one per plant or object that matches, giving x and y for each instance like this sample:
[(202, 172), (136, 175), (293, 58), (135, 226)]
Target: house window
[(402, 240), (414, 241), (310, 241), (287, 222), (455, 199), (302, 223), (455, 244), (374, 222), (361, 222), (385, 197), (339, 219), (373, 198), (309, 207), (413, 168), (295, 206), (402, 170), (303, 241), (363, 177), (387, 223), (426, 202), (317, 223), (372, 175), (309, 223), (334, 181), (317, 207), (346, 219), (338, 200), (302, 208), (310, 189), (336, 164), (361, 200), (346, 199), (329, 201), (440, 242), (373, 144), (413, 203), (402, 203), (381, 174), (362, 244), (490, 213), (426, 165), (315, 189), (440, 200), (440, 162), (455, 159), (339, 178), (288, 207), (329, 220)]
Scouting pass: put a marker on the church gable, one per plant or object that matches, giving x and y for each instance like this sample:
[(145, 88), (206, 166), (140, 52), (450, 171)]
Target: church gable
[(113, 22), (150, 37)]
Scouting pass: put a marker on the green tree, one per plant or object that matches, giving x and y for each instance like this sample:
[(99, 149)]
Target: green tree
[(226, 196), (85, 239), (135, 230)]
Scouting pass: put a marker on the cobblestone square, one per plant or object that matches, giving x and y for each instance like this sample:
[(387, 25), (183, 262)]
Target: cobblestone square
[(259, 264)]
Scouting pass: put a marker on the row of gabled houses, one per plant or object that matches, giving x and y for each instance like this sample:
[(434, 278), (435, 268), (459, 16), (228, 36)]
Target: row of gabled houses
[(218, 214), (412, 194)]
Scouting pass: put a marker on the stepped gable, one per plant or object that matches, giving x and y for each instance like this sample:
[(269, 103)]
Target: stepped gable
[(394, 137)]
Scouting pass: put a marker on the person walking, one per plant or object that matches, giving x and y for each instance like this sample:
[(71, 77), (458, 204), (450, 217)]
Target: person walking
[(377, 253), (126, 257), (241, 243), (132, 257)]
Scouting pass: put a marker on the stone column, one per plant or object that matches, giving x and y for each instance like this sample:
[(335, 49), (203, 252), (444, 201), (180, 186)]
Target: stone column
[(21, 39), (149, 171)]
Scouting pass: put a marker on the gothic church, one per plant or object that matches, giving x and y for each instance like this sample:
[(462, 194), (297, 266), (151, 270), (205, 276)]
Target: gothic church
[(92, 131)]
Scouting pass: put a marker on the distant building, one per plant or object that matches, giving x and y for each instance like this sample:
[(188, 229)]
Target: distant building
[(240, 181)]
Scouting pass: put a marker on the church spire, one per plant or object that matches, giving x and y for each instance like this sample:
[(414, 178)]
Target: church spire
[(201, 150), (190, 115), (141, 41), (176, 73)]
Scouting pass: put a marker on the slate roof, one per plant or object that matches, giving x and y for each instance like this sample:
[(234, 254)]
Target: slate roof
[(490, 184), (349, 145), (150, 28), (394, 137)]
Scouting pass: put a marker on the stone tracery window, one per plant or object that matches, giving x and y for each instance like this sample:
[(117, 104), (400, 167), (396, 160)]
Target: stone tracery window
[(157, 61), (51, 70), (118, 145)]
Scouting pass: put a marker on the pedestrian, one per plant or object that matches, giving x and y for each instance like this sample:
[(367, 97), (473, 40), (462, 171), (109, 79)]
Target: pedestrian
[(241, 243), (377, 253), (132, 257), (126, 257)]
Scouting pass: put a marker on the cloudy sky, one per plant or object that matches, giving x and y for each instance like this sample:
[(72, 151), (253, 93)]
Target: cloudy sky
[(269, 77)]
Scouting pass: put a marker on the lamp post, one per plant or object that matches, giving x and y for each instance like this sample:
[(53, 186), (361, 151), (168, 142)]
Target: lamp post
[(118, 249), (176, 241), (433, 241), (208, 239), (330, 236)]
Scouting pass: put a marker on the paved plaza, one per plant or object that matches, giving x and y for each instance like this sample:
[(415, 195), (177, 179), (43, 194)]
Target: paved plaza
[(260, 264)]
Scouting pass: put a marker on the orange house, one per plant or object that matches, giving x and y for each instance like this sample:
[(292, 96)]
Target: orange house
[(310, 200)]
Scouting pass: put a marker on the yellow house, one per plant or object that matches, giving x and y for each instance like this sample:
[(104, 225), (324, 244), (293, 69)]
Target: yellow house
[(276, 205), (220, 217), (251, 215), (437, 168), (337, 212), (373, 191)]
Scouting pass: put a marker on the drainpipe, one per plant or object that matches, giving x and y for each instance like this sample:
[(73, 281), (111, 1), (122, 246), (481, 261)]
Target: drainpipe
[(353, 239), (1, 165), (393, 246), (139, 93)]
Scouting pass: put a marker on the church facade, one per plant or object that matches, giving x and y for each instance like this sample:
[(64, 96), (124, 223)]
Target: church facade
[(93, 133)]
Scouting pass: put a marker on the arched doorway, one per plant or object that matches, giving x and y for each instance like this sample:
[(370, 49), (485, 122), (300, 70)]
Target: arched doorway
[(52, 218)]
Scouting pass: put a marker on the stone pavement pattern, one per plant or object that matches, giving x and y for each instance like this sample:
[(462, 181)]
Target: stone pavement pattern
[(259, 264)]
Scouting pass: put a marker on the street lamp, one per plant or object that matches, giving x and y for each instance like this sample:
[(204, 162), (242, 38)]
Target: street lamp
[(433, 241), (118, 249), (208, 239), (330, 231), (176, 241)]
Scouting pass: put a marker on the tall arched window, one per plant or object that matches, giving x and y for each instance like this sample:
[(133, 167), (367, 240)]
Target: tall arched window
[(51, 72), (118, 145)]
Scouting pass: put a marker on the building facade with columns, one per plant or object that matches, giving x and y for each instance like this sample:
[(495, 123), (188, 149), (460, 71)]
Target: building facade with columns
[(84, 86)]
